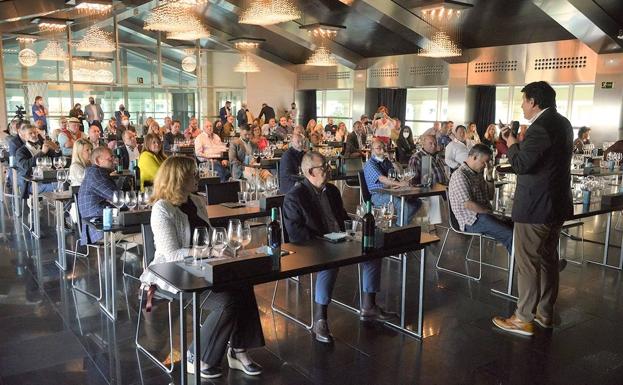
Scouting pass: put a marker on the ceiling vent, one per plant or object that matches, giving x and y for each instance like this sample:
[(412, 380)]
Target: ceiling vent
[(556, 63), (342, 75), (426, 70), (309, 77), (496, 66), (390, 72)]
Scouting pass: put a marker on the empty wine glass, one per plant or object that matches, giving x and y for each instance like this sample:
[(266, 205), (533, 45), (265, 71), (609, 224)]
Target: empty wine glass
[(57, 163), (219, 240), (140, 200), (247, 236), (391, 174), (389, 212), (201, 241), (61, 176), (131, 199), (47, 162), (234, 235), (39, 161), (118, 199)]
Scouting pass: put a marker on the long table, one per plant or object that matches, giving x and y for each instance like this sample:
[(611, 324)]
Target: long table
[(215, 213), (309, 257), (413, 192)]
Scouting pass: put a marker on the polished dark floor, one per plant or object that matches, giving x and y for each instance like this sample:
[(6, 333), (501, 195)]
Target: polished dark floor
[(51, 335)]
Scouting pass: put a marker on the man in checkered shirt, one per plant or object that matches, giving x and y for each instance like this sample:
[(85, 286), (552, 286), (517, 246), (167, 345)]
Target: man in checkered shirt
[(469, 199)]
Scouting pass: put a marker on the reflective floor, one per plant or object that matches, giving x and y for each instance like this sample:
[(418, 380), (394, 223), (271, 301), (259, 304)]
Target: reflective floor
[(50, 334)]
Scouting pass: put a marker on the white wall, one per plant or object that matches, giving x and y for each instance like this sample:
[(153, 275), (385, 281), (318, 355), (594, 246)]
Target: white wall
[(273, 85)]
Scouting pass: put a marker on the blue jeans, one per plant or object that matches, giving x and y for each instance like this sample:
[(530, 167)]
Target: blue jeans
[(325, 281), (501, 231), (411, 206), (221, 171), (43, 187)]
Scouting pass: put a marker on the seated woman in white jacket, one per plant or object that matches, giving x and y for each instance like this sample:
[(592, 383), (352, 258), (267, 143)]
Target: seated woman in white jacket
[(233, 318), (457, 150), (80, 160)]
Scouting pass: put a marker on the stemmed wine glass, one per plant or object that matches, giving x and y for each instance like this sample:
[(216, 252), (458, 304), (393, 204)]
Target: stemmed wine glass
[(118, 200), (57, 163), (234, 235), (388, 213), (219, 240), (47, 163), (131, 200), (246, 235), (61, 176), (201, 241)]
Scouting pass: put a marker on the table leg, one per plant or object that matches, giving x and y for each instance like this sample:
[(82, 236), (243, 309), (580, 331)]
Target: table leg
[(402, 210), (107, 276), (604, 261), (36, 226), (2, 181), (420, 323), (403, 291), (183, 342), (60, 233), (196, 336), (113, 276)]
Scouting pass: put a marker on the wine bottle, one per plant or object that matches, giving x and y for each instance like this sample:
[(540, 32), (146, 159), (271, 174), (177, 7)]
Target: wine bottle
[(274, 239), (119, 159), (367, 239)]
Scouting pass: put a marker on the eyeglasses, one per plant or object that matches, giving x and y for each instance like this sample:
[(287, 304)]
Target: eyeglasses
[(323, 167)]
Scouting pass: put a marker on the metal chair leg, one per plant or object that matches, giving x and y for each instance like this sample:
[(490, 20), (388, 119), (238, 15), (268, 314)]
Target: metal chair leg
[(99, 273), (140, 347), (287, 315), (457, 272)]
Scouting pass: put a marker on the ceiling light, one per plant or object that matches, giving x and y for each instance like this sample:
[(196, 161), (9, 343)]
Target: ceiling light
[(27, 57), (322, 57), (167, 18), (48, 24), (323, 31), (96, 40), (90, 70), (444, 22), (189, 63), (246, 43), (246, 64), (187, 3), (440, 46), (94, 7), (26, 39), (269, 12), (196, 30), (53, 51)]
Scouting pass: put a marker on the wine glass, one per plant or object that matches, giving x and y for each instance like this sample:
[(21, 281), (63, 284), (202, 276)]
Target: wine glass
[(361, 211), (118, 199), (391, 174), (39, 162), (201, 241), (246, 235), (47, 162), (56, 163), (219, 240), (61, 176), (388, 213), (234, 235), (131, 199)]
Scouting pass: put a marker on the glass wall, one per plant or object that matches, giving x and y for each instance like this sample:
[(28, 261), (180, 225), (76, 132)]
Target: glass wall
[(424, 107), (336, 104)]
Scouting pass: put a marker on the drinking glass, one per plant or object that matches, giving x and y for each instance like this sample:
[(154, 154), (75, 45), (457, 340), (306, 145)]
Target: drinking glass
[(131, 200), (47, 162), (219, 240), (361, 211), (389, 211), (234, 235), (349, 227), (61, 176), (57, 163), (379, 214), (118, 199), (201, 241), (247, 236), (242, 197), (39, 162), (391, 174)]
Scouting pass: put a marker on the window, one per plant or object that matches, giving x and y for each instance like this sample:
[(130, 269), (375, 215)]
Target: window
[(502, 103), (424, 107), (582, 105), (575, 101), (334, 104)]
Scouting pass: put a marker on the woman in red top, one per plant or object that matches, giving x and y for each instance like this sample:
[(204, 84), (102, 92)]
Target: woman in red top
[(259, 139)]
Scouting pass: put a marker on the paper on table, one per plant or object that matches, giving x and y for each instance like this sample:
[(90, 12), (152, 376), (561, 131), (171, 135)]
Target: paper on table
[(335, 236)]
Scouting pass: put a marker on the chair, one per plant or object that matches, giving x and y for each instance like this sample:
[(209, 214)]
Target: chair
[(86, 255), (454, 226), (222, 192), (567, 225), (149, 251), (352, 165), (365, 195)]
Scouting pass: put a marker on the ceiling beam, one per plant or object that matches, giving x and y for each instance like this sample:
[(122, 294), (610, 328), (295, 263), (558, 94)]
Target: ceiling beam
[(292, 32), (581, 26)]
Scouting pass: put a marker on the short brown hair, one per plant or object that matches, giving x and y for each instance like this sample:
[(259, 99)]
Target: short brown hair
[(171, 177)]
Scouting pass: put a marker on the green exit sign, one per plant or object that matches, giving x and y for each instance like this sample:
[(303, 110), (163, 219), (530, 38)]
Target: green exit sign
[(607, 85)]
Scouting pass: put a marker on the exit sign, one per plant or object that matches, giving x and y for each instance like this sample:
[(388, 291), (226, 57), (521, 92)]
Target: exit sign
[(607, 85)]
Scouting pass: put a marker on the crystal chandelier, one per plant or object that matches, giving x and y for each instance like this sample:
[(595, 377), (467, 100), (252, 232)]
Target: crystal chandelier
[(27, 57), (195, 30), (269, 12), (96, 40), (444, 29), (53, 51), (246, 64), (322, 57), (26, 39), (187, 3), (92, 71), (51, 25), (94, 7), (440, 45), (167, 18)]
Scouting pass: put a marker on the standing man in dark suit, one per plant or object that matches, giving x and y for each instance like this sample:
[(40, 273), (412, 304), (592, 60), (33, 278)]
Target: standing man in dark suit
[(314, 208), (356, 140), (542, 203), (225, 111), (267, 112), (241, 116), (290, 163)]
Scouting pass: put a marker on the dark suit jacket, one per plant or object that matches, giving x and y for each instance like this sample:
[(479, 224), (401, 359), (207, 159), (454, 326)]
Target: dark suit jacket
[(302, 212), (24, 161), (267, 112), (289, 169), (352, 144), (542, 164), (125, 157), (14, 144), (241, 117)]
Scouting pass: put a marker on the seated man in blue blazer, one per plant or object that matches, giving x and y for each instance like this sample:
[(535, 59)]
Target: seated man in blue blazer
[(290, 163), (313, 208)]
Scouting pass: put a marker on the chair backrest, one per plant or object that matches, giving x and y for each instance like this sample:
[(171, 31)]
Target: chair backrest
[(149, 249), (454, 223), (74, 190), (365, 193), (353, 164), (222, 192)]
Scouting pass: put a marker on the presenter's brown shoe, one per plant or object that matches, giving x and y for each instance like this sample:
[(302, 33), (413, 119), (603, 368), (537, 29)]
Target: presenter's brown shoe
[(514, 325)]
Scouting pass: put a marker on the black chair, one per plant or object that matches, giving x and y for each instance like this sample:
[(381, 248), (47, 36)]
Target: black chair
[(365, 195), (222, 192), (149, 251)]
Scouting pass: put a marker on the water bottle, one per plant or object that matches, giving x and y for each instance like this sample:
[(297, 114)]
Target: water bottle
[(107, 218)]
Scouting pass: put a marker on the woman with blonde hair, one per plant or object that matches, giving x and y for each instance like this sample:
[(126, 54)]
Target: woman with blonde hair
[(154, 128), (317, 134), (233, 315), (490, 137), (80, 160), (150, 159)]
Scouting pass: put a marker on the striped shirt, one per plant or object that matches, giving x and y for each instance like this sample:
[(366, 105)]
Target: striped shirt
[(467, 185)]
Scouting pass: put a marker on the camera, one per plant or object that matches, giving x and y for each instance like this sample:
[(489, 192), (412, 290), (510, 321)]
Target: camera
[(20, 112)]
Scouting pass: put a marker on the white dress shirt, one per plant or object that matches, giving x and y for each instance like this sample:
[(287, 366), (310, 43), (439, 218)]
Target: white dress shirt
[(456, 152), (133, 154), (206, 146)]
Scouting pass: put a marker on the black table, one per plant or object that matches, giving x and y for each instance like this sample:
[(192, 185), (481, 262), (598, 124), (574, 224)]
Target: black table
[(413, 192), (313, 256)]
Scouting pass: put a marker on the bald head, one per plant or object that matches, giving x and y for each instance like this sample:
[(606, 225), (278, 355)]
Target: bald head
[(429, 143), (102, 157)]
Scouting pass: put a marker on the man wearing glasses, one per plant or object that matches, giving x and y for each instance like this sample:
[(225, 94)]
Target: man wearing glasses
[(376, 171), (314, 208)]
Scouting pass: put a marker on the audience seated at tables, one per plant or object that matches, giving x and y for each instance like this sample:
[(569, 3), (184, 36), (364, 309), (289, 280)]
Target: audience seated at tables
[(457, 150), (356, 140), (96, 191), (233, 323), (151, 158), (269, 128), (172, 136), (340, 133), (330, 127), (229, 128), (405, 147), (129, 150), (260, 140), (80, 160), (193, 129), (209, 145), (166, 127), (314, 208), (111, 129), (376, 171), (445, 134), (311, 125), (282, 130), (18, 140), (54, 133), (26, 159), (290, 164), (469, 199), (67, 137), (94, 136)]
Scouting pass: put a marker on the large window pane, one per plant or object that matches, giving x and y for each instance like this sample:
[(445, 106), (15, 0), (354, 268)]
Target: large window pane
[(582, 108), (337, 103), (502, 103), (422, 104), (562, 99), (418, 128)]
